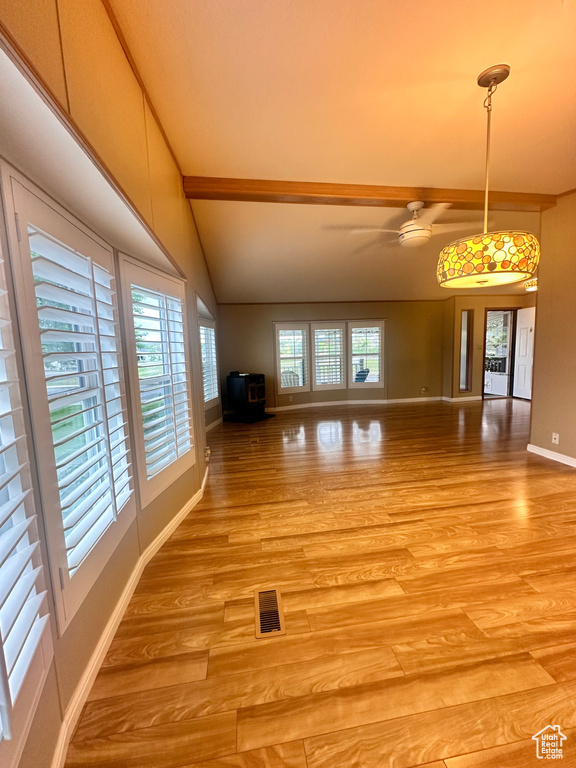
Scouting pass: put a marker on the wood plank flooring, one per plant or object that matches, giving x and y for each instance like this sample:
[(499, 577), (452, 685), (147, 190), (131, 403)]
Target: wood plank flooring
[(427, 565)]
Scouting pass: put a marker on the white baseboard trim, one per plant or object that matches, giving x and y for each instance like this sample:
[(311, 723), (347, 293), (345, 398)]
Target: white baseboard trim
[(354, 402), (80, 695), (415, 400), (471, 399), (561, 457), (213, 424), (201, 491)]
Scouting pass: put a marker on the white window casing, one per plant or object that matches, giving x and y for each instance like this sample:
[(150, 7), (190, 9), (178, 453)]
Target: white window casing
[(292, 357), (328, 355), (366, 354), (68, 312), (209, 363), (158, 359)]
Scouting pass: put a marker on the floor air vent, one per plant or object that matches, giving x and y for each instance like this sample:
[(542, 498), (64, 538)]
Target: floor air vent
[(269, 613)]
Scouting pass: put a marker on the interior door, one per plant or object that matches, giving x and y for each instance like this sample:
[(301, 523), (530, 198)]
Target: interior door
[(524, 352)]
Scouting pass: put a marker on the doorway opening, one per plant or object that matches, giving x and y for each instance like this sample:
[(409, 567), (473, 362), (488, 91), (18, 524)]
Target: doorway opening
[(508, 353)]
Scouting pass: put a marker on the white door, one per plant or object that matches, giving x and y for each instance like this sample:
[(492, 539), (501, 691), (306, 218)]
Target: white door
[(524, 352)]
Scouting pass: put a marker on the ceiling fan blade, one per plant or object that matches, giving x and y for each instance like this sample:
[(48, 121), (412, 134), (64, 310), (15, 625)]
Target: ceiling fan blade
[(461, 226), (363, 230), (374, 245), (343, 227), (355, 228), (429, 215), (440, 229)]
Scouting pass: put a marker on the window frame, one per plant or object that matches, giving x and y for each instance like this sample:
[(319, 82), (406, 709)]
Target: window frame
[(328, 326), (210, 325), (135, 272), (305, 328), (27, 203), (351, 375)]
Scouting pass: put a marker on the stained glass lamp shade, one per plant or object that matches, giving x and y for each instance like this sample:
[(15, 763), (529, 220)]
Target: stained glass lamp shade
[(493, 258)]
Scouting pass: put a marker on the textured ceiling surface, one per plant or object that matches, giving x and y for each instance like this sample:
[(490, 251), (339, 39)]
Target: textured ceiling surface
[(352, 91)]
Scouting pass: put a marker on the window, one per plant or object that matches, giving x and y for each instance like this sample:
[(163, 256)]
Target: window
[(365, 341), (328, 356), (76, 319), (209, 363), (160, 376), (25, 639), (332, 343), (466, 350), (292, 358), (67, 303)]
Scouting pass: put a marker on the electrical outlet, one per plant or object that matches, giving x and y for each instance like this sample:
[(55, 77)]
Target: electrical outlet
[(289, 398), (555, 438)]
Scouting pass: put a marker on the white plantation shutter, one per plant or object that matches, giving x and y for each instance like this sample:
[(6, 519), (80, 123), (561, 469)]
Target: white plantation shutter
[(292, 357), (163, 377), (25, 642), (335, 347), (328, 356), (81, 353), (68, 312), (209, 362), (157, 340)]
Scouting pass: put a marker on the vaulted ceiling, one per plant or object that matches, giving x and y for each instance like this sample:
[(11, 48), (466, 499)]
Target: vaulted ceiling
[(358, 92)]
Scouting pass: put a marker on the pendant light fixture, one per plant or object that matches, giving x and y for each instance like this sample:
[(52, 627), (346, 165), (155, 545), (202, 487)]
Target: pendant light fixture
[(531, 285), (491, 258)]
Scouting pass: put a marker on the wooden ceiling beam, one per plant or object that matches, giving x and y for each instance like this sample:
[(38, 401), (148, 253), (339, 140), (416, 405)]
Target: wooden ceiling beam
[(313, 193)]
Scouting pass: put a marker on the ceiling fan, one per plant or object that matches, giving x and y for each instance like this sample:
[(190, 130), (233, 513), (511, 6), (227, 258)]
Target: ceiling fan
[(421, 227)]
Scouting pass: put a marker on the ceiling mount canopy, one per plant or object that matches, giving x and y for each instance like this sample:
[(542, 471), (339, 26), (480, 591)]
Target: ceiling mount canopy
[(491, 258)]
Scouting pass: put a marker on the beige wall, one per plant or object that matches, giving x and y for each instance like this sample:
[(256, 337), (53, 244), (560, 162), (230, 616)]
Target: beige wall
[(448, 347), (35, 28), (212, 415), (76, 54), (554, 387), (413, 345)]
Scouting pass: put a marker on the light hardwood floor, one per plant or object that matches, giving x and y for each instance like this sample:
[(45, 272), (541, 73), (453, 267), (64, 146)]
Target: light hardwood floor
[(428, 569)]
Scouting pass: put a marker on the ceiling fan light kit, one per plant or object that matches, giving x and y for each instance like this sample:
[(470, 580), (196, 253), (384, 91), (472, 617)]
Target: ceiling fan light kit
[(414, 232), (491, 258)]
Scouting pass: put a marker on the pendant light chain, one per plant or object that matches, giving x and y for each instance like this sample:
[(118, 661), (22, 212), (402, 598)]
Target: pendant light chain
[(488, 106)]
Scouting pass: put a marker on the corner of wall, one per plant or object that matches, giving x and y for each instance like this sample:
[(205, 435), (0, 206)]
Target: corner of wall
[(553, 403)]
